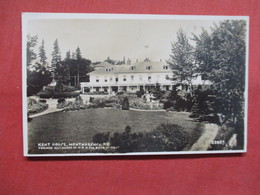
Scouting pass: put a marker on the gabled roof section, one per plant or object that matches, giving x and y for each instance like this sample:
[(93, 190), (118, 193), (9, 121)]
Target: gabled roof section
[(138, 67)]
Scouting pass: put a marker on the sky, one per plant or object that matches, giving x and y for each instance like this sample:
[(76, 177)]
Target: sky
[(116, 38)]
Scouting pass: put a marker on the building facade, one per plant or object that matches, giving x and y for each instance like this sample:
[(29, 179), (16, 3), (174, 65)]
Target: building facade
[(131, 77)]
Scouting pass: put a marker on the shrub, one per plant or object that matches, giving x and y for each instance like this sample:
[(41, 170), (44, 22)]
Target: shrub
[(42, 101), (45, 94), (62, 103), (127, 141), (101, 137), (169, 104), (139, 94), (66, 94), (79, 99), (31, 101), (69, 88), (60, 100), (49, 88), (166, 137), (125, 104), (98, 103), (37, 108)]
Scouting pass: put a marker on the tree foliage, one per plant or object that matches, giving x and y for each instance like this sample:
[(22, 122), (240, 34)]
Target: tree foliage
[(182, 59), (37, 78), (42, 54), (61, 76), (78, 54), (30, 54), (78, 68), (221, 57), (56, 56)]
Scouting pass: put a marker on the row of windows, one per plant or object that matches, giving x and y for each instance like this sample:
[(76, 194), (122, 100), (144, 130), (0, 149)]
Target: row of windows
[(147, 68), (132, 78)]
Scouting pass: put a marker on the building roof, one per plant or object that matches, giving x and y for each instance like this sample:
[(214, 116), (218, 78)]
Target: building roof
[(101, 64), (138, 67)]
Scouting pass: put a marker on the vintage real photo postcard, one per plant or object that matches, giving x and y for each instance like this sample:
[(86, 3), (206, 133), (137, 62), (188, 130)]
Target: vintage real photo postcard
[(115, 84)]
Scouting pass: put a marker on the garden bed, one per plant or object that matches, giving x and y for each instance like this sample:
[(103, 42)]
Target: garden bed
[(35, 107)]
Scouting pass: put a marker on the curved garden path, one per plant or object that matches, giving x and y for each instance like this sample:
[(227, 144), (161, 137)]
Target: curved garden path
[(52, 108), (203, 143)]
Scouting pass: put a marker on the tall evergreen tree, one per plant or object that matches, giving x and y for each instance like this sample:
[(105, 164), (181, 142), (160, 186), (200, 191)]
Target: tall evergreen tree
[(68, 57), (73, 56), (56, 56), (78, 54), (30, 54), (42, 54), (182, 59)]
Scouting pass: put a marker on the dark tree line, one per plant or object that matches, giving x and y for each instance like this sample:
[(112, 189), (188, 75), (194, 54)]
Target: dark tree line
[(70, 71), (219, 56)]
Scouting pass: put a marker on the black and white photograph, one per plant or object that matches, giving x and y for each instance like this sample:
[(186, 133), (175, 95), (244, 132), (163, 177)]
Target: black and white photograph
[(122, 84)]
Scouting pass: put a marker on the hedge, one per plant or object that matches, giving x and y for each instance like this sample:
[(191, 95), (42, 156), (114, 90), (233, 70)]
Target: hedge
[(48, 94)]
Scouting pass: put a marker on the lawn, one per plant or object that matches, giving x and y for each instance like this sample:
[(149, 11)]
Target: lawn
[(81, 126)]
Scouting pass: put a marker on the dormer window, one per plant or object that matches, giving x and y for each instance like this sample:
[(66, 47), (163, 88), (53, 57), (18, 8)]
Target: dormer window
[(108, 69), (148, 67), (165, 67), (132, 68)]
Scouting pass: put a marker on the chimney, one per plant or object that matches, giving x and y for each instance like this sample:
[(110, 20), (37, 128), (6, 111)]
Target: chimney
[(161, 60), (136, 60), (128, 61)]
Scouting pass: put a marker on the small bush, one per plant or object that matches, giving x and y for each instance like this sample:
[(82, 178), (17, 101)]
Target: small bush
[(69, 88), (49, 88), (42, 101), (91, 99), (79, 99), (62, 103), (31, 101), (139, 94), (60, 100), (169, 104)]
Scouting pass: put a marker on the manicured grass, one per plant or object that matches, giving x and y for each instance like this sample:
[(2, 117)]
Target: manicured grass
[(81, 126)]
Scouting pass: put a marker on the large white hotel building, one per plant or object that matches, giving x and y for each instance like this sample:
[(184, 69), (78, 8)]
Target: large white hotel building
[(131, 77)]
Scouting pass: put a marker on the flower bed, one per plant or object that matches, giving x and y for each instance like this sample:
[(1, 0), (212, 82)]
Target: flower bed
[(140, 104), (35, 107)]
